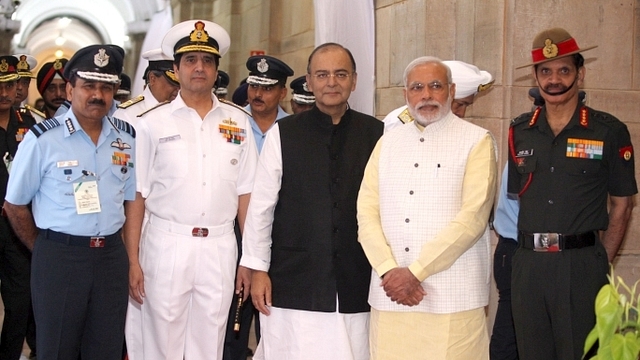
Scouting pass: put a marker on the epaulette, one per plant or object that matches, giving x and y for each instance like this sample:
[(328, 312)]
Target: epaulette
[(523, 118), (153, 108), (235, 106), (130, 102), (405, 116), (35, 111), (123, 126), (41, 128)]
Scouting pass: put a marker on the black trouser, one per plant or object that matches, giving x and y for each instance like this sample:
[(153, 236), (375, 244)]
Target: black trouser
[(236, 343), (503, 339), (15, 263), (79, 299), (553, 296)]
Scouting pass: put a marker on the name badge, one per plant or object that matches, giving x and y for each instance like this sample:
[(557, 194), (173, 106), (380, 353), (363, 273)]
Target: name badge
[(68, 163), (169, 138)]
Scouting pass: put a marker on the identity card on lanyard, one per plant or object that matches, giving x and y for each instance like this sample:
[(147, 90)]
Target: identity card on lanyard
[(85, 192)]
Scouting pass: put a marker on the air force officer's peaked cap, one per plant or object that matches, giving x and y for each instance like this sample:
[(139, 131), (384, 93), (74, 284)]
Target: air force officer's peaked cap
[(196, 35), (266, 70), (301, 93), (97, 63)]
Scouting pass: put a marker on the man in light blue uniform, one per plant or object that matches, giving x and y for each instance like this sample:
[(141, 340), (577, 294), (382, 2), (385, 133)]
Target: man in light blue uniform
[(267, 87), (77, 170)]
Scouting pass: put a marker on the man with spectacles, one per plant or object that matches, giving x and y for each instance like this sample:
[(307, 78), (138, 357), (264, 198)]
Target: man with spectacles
[(311, 278), (469, 82), (423, 208)]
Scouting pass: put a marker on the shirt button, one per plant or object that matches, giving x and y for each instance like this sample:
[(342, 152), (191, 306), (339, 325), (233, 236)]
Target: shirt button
[(552, 169), (204, 155), (406, 220), (415, 165), (421, 139), (202, 214), (550, 202), (406, 249), (411, 192), (335, 230), (204, 184), (335, 205)]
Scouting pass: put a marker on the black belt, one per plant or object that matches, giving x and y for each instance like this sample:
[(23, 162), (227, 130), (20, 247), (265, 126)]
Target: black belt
[(87, 241), (565, 241)]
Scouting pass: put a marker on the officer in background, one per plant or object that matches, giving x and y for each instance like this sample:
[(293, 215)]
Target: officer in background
[(161, 85), (26, 63), (77, 171), (301, 98), (267, 88), (124, 89), (221, 85), (14, 256), (52, 86)]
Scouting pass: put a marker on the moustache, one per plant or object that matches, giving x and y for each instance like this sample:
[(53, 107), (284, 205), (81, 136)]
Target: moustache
[(60, 100), (563, 90), (257, 101), (4, 98), (97, 102), (428, 103)]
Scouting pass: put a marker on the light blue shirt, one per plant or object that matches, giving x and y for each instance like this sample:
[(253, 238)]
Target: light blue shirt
[(505, 220), (47, 168), (257, 133)]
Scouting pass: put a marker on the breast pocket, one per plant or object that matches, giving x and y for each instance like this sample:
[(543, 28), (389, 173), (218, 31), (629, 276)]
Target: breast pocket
[(63, 185), (122, 174), (229, 163), (525, 166), (583, 167), (172, 159)]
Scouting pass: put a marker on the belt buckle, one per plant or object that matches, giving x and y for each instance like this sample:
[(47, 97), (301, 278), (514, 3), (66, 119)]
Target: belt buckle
[(96, 242), (546, 242), (200, 232)]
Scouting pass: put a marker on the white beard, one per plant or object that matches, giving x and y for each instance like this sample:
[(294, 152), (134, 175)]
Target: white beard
[(443, 110)]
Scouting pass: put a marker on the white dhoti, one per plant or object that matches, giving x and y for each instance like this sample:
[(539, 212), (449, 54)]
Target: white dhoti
[(296, 334), (189, 284)]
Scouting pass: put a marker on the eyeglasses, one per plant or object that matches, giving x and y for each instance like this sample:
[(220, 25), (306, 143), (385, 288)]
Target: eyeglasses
[(434, 86), (339, 76)]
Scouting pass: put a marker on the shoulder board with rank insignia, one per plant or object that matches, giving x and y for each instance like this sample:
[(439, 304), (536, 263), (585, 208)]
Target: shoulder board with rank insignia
[(35, 111), (405, 116), (153, 108), (123, 126), (235, 106), (130, 102), (48, 124)]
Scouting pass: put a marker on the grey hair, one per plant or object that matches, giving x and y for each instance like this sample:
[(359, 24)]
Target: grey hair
[(422, 61)]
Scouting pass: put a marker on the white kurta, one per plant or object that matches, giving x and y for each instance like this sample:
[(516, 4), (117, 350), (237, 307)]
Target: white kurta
[(191, 176)]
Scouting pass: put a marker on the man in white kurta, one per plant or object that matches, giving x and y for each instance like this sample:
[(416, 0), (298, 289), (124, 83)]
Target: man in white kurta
[(196, 174), (422, 214)]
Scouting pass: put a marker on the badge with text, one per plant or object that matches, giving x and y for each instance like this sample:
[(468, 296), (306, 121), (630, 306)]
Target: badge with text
[(584, 148), (86, 195)]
